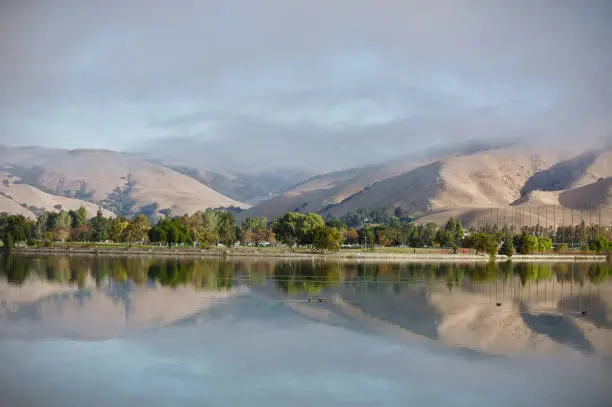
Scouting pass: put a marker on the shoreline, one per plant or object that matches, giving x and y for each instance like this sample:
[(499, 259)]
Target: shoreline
[(342, 255)]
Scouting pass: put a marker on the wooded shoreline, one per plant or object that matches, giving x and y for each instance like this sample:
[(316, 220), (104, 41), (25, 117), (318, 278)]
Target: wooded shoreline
[(275, 253)]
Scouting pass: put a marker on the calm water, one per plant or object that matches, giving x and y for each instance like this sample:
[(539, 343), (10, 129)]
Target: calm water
[(108, 331)]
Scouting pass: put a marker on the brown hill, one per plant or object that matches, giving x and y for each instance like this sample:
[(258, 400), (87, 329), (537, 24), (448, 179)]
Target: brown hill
[(463, 184), (516, 185), (33, 201), (93, 175)]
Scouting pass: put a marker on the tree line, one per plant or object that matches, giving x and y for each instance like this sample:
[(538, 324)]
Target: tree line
[(213, 226)]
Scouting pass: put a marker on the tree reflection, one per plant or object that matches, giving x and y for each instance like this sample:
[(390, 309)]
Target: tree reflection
[(305, 277), (289, 276)]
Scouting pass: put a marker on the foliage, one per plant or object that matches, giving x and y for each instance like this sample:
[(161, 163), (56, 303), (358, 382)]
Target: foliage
[(351, 236), (136, 230), (482, 242), (544, 244), (100, 227), (508, 246), (600, 245), (286, 227), (526, 243), (327, 238), (226, 228), (336, 223)]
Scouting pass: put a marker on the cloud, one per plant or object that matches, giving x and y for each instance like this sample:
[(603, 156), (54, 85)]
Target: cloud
[(298, 82)]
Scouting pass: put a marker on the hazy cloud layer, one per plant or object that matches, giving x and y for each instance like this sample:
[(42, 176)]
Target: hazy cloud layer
[(323, 84)]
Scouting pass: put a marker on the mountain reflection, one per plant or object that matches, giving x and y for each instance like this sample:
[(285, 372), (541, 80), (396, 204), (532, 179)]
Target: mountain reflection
[(290, 276), (496, 308)]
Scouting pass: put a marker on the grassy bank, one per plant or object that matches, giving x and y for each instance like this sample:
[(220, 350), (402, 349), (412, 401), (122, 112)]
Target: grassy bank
[(387, 253)]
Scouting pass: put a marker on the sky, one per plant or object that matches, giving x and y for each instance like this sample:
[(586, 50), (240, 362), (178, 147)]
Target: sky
[(317, 84)]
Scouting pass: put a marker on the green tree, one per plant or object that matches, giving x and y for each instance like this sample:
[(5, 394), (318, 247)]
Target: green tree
[(41, 225), (544, 244), (117, 226), (9, 241), (508, 246), (227, 228), (599, 245), (63, 220), (367, 236), (137, 229), (286, 227), (210, 227), (525, 243), (157, 234), (336, 223), (307, 226), (327, 238), (80, 218), (483, 243), (429, 233), (100, 227)]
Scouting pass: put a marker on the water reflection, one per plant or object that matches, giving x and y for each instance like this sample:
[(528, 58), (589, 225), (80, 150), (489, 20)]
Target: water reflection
[(495, 308)]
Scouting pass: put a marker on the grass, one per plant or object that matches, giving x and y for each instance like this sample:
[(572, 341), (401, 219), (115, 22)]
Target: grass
[(279, 250)]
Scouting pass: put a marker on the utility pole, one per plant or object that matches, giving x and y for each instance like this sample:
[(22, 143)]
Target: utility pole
[(590, 220), (572, 230), (546, 219), (555, 224), (498, 218), (530, 225)]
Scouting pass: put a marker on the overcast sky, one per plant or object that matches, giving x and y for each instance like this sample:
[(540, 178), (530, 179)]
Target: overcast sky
[(318, 83)]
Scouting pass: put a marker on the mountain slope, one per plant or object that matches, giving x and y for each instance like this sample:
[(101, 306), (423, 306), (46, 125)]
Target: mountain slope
[(479, 179), (248, 188), (36, 201), (95, 175)]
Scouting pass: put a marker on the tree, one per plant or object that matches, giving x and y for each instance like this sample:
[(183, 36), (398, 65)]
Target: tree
[(81, 234), (9, 241), (227, 228), (367, 236), (544, 244), (525, 243), (210, 227), (327, 238), (41, 225), (444, 238), (307, 226), (398, 212), (507, 247), (286, 227), (63, 220), (99, 227), (351, 236), (80, 218), (599, 245), (137, 229), (158, 234), (482, 242), (256, 230), (117, 226), (336, 223)]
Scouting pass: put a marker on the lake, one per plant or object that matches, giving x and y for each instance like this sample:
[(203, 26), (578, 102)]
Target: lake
[(144, 331)]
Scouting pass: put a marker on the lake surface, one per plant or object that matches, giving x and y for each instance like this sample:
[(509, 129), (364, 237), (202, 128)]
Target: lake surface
[(110, 331)]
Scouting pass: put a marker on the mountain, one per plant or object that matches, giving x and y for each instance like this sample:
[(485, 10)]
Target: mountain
[(122, 183), (23, 199), (248, 188), (466, 184)]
